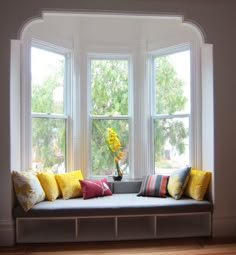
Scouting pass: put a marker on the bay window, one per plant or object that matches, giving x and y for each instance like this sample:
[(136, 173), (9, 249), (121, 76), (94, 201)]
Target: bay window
[(144, 83)]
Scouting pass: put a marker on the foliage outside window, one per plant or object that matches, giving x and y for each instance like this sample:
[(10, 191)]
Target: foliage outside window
[(109, 108), (48, 109), (171, 116)]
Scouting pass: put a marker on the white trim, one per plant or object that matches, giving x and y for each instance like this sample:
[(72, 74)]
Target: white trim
[(171, 116), (75, 118), (102, 14), (26, 105), (208, 114), (49, 116), (196, 106), (110, 117), (83, 113), (15, 104), (49, 47), (163, 51)]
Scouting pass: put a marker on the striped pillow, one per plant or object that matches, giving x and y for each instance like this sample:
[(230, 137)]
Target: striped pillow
[(154, 186)]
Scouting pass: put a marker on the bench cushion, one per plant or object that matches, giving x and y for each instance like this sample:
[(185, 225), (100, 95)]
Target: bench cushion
[(117, 204)]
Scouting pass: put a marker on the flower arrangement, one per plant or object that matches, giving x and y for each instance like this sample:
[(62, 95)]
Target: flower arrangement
[(114, 147)]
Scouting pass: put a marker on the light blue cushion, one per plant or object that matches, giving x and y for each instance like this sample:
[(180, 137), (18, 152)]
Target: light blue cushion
[(117, 204)]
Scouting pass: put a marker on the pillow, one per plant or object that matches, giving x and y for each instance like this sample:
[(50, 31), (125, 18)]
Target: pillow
[(49, 185), (95, 188), (69, 183), (153, 186), (198, 183), (177, 182), (28, 189)]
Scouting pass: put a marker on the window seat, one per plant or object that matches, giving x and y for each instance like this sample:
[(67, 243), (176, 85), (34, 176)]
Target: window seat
[(117, 204), (122, 216)]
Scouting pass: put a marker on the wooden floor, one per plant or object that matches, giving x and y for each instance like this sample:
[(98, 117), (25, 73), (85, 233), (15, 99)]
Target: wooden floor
[(199, 246)]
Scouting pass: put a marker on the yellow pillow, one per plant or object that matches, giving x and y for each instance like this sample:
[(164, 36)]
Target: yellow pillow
[(197, 184), (49, 184), (28, 189), (69, 184)]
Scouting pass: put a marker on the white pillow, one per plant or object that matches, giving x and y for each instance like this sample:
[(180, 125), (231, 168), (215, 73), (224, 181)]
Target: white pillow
[(28, 189)]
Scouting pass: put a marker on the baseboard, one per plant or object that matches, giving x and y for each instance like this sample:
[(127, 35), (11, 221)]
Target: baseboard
[(7, 233), (224, 226)]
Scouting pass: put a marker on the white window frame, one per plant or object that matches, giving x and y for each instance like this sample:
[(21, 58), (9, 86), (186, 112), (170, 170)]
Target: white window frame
[(195, 102), (26, 131), (141, 153), (128, 117)]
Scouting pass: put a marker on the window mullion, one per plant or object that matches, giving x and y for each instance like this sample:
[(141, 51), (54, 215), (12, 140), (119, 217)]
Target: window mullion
[(48, 116), (109, 117), (171, 116)]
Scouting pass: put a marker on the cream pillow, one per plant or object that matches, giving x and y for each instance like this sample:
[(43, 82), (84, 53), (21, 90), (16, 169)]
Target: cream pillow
[(49, 184), (28, 189), (69, 183)]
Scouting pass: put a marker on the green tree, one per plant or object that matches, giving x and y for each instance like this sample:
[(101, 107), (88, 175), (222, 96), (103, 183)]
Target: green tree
[(169, 100), (48, 134), (109, 94), (110, 97)]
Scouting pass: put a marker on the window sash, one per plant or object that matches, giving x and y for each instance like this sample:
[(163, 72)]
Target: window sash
[(67, 100), (102, 56), (154, 114)]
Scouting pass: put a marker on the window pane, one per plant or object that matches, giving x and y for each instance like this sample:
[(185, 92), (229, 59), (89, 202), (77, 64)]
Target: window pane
[(109, 87), (172, 83), (47, 81), (48, 144), (102, 160), (171, 143)]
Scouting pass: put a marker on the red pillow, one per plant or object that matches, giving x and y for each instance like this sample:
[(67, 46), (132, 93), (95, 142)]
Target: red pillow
[(95, 188)]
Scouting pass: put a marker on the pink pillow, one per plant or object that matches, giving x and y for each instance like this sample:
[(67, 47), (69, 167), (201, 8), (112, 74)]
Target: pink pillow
[(95, 188)]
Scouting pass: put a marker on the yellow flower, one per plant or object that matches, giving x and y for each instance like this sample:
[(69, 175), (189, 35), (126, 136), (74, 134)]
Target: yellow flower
[(110, 140), (114, 146), (120, 154)]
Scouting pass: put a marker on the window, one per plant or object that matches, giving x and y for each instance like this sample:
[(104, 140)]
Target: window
[(171, 108), (109, 108), (49, 85), (103, 71)]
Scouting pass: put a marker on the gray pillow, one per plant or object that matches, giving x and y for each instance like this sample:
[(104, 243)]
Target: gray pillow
[(177, 182)]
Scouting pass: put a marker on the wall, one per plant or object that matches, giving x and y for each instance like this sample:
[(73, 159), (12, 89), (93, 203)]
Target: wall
[(216, 18)]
